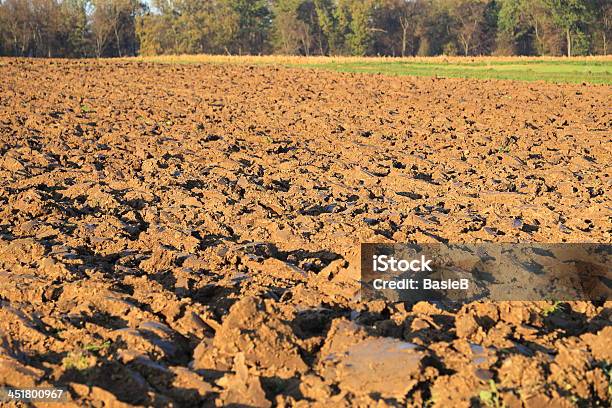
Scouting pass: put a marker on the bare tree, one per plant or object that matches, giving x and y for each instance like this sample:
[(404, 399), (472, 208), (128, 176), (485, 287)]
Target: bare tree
[(470, 16), (408, 13), (17, 25), (109, 19), (102, 24), (603, 12)]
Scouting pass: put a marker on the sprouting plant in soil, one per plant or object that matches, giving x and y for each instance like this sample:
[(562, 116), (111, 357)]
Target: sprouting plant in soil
[(78, 361), (555, 307), (490, 397), (504, 149), (97, 347), (83, 358)]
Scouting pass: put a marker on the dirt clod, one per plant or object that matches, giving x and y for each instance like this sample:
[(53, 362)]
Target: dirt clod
[(192, 237)]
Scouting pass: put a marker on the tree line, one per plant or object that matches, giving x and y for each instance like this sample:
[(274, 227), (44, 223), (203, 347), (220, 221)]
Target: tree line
[(111, 28)]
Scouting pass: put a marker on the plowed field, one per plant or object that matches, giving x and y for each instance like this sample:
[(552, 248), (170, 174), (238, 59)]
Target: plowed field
[(189, 235)]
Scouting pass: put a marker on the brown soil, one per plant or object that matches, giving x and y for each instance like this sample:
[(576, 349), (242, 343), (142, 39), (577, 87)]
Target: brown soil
[(188, 235)]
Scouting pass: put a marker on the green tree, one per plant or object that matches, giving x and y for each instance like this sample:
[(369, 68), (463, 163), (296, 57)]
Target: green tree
[(113, 25), (295, 27), (603, 27), (360, 33), (76, 28), (395, 24), (470, 18), (76, 40), (546, 34), (155, 34), (354, 26), (35, 28), (435, 28), (515, 30), (332, 40), (571, 16), (254, 24), (188, 27)]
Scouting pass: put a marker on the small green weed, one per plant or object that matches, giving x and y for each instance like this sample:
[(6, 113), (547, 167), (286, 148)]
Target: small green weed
[(490, 397), (555, 307), (504, 149), (86, 109), (78, 361), (97, 347)]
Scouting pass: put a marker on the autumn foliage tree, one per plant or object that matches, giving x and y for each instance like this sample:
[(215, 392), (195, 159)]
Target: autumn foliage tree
[(107, 28)]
